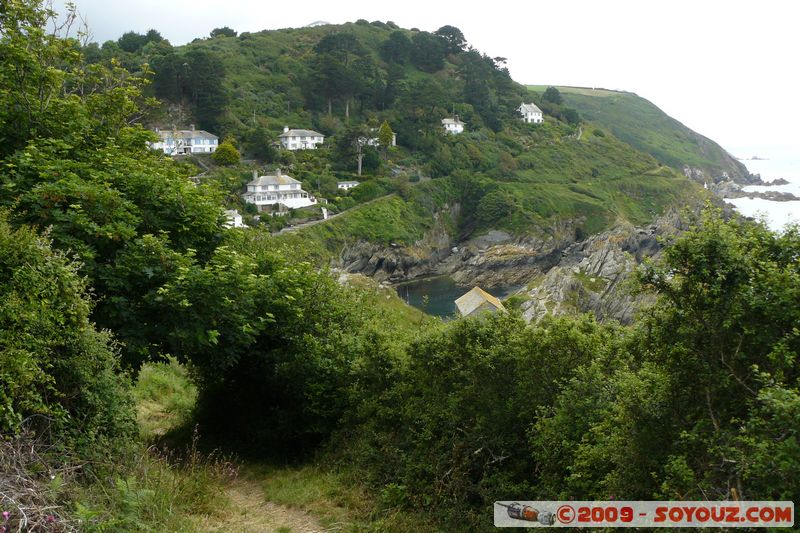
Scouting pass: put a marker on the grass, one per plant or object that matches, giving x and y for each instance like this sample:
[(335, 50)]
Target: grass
[(593, 283), (396, 313), (644, 126), (336, 501), (190, 491), (164, 397)]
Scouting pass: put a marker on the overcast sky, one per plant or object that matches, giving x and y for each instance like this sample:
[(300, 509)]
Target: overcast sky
[(727, 69)]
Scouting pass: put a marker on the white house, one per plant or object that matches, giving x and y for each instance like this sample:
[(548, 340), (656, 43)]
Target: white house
[(180, 142), (453, 125), (300, 139), (531, 113), (346, 185), (276, 189), (233, 219)]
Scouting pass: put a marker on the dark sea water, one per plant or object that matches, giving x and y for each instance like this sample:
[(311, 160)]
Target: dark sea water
[(442, 292)]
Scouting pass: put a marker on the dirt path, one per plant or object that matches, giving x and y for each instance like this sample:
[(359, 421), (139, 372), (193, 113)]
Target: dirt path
[(251, 513)]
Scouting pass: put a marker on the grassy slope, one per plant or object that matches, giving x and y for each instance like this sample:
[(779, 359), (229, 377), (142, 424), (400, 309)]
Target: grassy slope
[(596, 181), (644, 126)]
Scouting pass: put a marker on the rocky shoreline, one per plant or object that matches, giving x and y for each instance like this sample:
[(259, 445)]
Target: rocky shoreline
[(558, 272)]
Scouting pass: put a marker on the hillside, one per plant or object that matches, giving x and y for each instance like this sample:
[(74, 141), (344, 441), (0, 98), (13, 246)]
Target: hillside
[(644, 126), (163, 371), (542, 187)]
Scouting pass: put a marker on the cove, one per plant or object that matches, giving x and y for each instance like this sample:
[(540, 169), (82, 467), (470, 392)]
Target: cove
[(442, 292)]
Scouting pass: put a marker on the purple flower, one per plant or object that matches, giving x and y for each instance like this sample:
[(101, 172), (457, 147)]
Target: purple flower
[(51, 518), (6, 514)]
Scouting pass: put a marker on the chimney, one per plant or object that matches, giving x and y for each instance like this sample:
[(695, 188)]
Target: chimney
[(285, 129), (278, 172), (456, 118), (191, 127), (255, 174)]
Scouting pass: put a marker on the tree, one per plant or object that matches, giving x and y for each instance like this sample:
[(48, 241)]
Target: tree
[(340, 68), (551, 94), (132, 41), (202, 76), (453, 37), (396, 48), (222, 32), (153, 36), (226, 154), (428, 52), (385, 138), (571, 116)]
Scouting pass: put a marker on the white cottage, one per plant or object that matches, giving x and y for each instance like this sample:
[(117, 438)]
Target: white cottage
[(531, 113), (346, 185), (300, 139), (453, 125), (181, 142), (276, 189), (233, 219)]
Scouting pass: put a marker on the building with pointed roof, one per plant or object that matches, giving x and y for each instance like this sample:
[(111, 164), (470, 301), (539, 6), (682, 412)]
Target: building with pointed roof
[(531, 113), (477, 301), (453, 125), (277, 189), (292, 139), (183, 142)]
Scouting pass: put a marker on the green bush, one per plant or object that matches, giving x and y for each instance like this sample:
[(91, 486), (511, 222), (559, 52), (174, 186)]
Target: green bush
[(54, 366), (226, 154)]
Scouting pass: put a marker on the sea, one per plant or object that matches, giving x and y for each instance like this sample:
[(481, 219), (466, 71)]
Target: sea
[(774, 164)]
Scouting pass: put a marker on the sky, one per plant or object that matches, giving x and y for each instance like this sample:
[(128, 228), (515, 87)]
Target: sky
[(727, 69)]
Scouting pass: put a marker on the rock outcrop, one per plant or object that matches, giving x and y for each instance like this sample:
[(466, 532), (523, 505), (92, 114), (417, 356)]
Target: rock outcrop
[(555, 271), (595, 275)]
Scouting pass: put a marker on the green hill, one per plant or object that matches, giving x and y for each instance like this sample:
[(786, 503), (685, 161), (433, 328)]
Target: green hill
[(644, 126), (342, 79)]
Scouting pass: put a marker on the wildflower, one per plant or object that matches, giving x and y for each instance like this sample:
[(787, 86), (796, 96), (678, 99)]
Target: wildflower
[(6, 514)]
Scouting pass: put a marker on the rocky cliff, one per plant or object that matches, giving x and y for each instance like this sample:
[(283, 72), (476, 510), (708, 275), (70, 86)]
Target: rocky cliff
[(595, 275), (555, 272)]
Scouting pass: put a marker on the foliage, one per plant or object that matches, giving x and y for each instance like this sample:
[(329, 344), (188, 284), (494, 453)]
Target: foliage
[(75, 164), (697, 400), (396, 48), (223, 32), (453, 38), (467, 396), (553, 95), (58, 372), (385, 136), (226, 154), (644, 126), (427, 52)]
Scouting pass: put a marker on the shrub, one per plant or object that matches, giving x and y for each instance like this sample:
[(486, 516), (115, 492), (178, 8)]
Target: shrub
[(54, 366), (226, 154)]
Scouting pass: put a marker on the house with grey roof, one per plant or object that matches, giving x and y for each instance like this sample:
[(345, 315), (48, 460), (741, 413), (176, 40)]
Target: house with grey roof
[(531, 113), (276, 189), (453, 125), (292, 139), (183, 142), (346, 185), (477, 301)]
